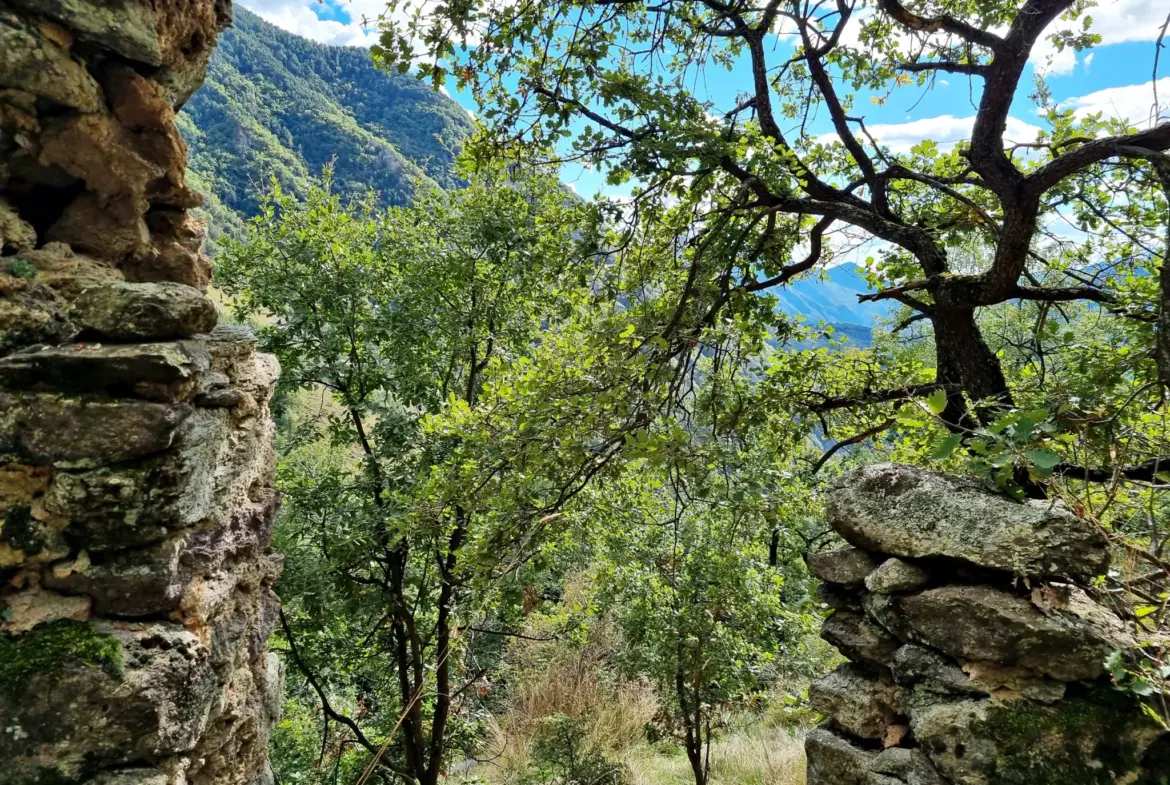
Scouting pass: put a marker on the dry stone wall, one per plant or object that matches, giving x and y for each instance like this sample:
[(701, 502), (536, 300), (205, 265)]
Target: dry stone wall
[(975, 655), (136, 497)]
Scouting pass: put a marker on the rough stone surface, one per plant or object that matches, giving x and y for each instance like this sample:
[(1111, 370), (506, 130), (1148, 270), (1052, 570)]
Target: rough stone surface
[(834, 761), (858, 638), (861, 701), (156, 371), (895, 575), (136, 498), (940, 515), (979, 623), (143, 311), (901, 766), (844, 566), (961, 673)]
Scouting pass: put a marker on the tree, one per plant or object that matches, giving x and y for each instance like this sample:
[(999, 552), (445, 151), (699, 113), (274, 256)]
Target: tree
[(617, 80), (396, 322)]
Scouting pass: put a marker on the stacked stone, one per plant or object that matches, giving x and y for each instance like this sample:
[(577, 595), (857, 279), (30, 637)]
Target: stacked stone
[(136, 495), (975, 658)]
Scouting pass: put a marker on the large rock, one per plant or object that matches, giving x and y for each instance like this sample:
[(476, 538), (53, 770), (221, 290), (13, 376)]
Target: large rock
[(858, 638), (1097, 738), (895, 575), (46, 428), (860, 701), (143, 311), (913, 513), (844, 566), (158, 371), (834, 761), (978, 623), (901, 766), (109, 694), (130, 584)]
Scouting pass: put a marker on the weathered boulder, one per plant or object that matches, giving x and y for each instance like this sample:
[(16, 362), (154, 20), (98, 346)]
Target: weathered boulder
[(119, 693), (129, 584), (895, 575), (834, 761), (861, 701), (858, 638), (156, 371), (1096, 738), (913, 513), (979, 623), (16, 234), (927, 669), (844, 566), (143, 311), (43, 428), (901, 766)]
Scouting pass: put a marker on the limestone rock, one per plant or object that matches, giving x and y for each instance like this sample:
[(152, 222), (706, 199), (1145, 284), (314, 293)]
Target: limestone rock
[(16, 234), (901, 766), (858, 638), (43, 428), (27, 609), (845, 566), (913, 513), (860, 701), (129, 584), (39, 64), (895, 575), (1096, 738), (978, 623), (111, 231), (914, 665), (151, 33), (156, 371), (144, 311), (151, 698), (834, 761), (129, 777)]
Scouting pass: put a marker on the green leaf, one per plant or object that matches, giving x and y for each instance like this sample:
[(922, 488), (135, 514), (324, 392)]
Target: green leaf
[(945, 446), (937, 402), (1043, 458)]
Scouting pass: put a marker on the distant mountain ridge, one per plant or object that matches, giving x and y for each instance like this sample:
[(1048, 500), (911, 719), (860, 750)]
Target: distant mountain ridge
[(278, 105)]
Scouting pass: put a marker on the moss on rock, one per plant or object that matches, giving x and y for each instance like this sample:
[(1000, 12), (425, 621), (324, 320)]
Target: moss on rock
[(52, 647), (20, 530), (1093, 739)]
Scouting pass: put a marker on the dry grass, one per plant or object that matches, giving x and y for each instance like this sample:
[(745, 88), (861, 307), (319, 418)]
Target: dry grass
[(756, 755)]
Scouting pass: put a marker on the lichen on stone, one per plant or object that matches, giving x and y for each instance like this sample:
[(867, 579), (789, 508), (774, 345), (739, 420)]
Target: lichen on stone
[(1092, 740), (20, 530), (52, 647)]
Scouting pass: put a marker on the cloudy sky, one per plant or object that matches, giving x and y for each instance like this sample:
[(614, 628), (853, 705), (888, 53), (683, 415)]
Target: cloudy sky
[(1114, 78)]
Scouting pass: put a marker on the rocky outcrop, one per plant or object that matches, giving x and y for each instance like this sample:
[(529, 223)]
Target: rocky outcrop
[(136, 497), (976, 658)]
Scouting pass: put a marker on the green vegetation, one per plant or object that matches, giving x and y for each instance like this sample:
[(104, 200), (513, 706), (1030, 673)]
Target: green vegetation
[(20, 530), (51, 648), (277, 105), (550, 465)]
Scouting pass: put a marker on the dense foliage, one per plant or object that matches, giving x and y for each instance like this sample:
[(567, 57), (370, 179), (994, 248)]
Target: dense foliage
[(495, 393), (277, 105)]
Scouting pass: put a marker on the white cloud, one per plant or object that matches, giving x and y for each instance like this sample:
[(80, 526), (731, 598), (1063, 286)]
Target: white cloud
[(1119, 21), (298, 16), (946, 130), (1134, 103)]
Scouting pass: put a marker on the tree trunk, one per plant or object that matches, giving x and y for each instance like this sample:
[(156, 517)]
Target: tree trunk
[(963, 358)]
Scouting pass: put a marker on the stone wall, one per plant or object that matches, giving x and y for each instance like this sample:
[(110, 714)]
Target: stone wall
[(975, 655), (136, 465)]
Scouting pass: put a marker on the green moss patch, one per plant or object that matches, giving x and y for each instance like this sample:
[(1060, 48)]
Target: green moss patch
[(1090, 740), (51, 648), (20, 530)]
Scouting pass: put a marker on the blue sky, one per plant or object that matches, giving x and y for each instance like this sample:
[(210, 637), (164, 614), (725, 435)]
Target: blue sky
[(1114, 77)]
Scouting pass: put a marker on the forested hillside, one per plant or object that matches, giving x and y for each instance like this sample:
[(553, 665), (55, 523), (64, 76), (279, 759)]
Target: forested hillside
[(276, 104)]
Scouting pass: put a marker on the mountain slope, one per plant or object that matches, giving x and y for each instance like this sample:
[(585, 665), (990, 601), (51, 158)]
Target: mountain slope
[(278, 105)]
